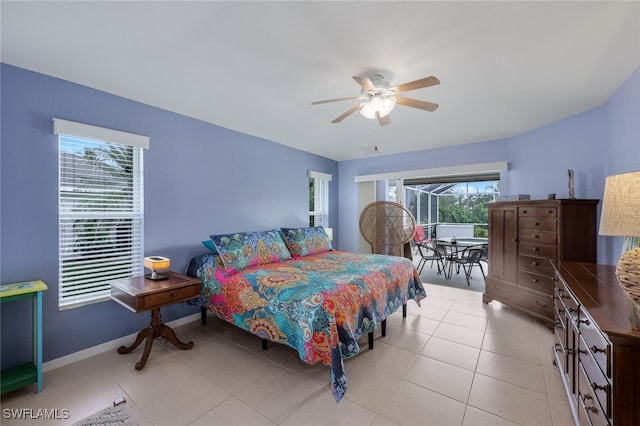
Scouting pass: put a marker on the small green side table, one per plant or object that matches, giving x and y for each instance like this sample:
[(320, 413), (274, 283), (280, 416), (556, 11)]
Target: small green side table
[(22, 375)]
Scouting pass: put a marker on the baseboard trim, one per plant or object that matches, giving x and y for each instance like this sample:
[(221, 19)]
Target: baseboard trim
[(108, 346)]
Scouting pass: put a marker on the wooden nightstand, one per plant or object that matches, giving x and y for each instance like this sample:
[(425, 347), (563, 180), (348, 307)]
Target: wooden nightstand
[(139, 294)]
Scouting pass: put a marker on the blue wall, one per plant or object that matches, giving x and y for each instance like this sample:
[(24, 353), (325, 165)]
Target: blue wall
[(199, 179), (595, 144), (202, 179)]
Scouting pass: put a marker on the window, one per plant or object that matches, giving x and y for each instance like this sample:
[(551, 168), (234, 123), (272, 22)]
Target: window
[(319, 198), (100, 207), (452, 200)]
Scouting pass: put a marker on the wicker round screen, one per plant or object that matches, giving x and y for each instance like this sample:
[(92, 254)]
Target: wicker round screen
[(387, 226)]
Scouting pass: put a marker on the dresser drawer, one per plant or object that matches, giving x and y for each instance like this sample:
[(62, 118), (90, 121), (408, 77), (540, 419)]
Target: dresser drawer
[(541, 212), (560, 349), (535, 281), (536, 223), (566, 297), (532, 301), (537, 265), (596, 379), (596, 343), (533, 236), (559, 313), (539, 250), (165, 297), (589, 410)]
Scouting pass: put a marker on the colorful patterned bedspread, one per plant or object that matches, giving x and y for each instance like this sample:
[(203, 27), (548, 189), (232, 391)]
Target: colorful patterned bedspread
[(319, 305)]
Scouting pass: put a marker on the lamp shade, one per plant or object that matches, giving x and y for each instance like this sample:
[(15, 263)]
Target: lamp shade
[(157, 263), (621, 205), (621, 217)]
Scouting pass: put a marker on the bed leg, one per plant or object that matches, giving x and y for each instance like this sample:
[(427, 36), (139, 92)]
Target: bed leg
[(404, 310), (265, 343), (383, 327), (203, 315), (371, 340)]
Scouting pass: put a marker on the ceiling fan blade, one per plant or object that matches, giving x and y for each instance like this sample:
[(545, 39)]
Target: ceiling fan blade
[(350, 98), (365, 82), (346, 114), (414, 103), (418, 84), (383, 120)]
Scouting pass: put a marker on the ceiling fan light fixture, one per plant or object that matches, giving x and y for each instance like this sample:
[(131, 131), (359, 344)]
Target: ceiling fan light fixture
[(378, 98), (383, 105)]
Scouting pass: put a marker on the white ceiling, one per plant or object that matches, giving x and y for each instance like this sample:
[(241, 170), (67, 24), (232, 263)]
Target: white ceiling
[(255, 67)]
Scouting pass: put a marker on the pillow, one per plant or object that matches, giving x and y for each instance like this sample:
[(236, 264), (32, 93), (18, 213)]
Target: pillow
[(306, 241), (271, 247), (205, 268), (200, 262), (243, 249), (209, 244)]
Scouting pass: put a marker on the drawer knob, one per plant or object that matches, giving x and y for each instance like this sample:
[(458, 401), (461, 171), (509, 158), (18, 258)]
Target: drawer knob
[(541, 304), (588, 407), (535, 263), (534, 280), (596, 386), (536, 236), (596, 349), (536, 249)]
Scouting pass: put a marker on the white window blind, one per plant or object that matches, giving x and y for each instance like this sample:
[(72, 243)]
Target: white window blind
[(101, 214), (319, 198)]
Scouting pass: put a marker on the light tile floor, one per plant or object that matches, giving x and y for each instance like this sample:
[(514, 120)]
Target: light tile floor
[(452, 361)]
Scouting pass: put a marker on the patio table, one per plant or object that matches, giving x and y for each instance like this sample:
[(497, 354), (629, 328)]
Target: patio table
[(454, 248)]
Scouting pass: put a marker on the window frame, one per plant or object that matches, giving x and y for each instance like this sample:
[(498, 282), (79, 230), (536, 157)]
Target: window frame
[(100, 210), (319, 214)]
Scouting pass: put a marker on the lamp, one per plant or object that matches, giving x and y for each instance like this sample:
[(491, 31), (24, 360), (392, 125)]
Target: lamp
[(621, 217), (156, 263), (381, 104)]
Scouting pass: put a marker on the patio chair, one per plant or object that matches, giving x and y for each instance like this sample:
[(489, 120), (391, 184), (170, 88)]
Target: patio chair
[(427, 253), (485, 257), (446, 255), (468, 259), (419, 236)]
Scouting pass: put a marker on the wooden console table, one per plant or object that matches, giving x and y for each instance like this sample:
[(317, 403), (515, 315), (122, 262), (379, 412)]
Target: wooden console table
[(139, 294), (597, 350), (22, 375)]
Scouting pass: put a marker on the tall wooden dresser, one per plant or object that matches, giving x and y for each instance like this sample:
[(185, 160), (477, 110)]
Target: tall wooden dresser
[(597, 349), (524, 236)]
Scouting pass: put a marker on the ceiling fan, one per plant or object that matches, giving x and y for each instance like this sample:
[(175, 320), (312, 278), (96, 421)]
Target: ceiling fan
[(379, 98)]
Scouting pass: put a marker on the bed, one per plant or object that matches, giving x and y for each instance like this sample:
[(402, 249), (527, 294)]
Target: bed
[(289, 286)]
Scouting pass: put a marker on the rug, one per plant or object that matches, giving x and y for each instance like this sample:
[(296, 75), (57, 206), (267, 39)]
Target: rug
[(119, 415)]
